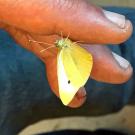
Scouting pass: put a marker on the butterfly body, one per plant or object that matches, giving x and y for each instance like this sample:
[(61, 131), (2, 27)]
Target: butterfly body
[(63, 43), (74, 66)]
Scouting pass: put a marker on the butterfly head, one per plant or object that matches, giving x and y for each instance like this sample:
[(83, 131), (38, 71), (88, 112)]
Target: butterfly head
[(63, 43)]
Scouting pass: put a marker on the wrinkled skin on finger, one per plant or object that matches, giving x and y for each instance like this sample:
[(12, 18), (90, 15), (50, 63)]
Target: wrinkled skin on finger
[(37, 21), (67, 16)]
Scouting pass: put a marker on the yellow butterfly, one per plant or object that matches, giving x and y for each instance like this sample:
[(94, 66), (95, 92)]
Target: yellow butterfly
[(74, 65)]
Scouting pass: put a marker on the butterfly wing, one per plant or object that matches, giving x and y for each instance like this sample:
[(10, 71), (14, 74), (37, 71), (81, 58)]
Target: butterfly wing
[(74, 67), (65, 88), (83, 61)]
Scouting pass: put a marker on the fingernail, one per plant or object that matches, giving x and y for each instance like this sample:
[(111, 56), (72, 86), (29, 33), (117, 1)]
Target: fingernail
[(122, 62), (116, 18)]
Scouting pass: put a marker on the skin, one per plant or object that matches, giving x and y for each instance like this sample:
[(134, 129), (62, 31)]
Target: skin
[(44, 20)]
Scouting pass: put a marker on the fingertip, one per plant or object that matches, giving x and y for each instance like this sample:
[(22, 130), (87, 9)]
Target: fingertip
[(91, 24), (79, 99), (108, 66), (119, 27)]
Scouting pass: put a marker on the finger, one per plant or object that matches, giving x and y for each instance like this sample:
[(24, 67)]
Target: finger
[(2, 25), (108, 66), (82, 20), (92, 24), (48, 57), (79, 99), (105, 68), (24, 39)]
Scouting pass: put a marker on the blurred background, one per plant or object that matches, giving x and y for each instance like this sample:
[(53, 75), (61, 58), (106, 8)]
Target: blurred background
[(124, 3), (123, 120)]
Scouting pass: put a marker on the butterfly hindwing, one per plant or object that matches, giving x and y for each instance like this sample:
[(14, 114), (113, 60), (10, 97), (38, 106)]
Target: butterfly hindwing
[(65, 88)]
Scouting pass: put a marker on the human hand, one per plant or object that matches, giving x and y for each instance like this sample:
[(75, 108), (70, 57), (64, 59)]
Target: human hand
[(43, 21)]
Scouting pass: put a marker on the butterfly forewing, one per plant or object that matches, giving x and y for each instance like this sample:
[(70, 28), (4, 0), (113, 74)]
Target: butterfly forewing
[(80, 69)]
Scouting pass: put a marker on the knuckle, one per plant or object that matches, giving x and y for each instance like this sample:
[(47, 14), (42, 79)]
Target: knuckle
[(66, 5)]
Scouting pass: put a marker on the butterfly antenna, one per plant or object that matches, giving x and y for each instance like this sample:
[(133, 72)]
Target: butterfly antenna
[(34, 41), (61, 34), (47, 48), (78, 42), (67, 37)]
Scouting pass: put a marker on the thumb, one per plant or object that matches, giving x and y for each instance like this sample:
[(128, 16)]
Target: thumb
[(89, 23)]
